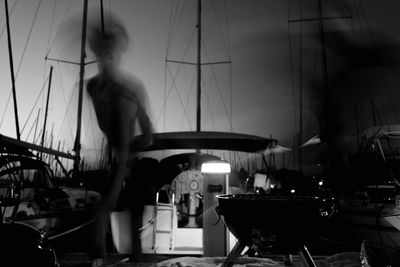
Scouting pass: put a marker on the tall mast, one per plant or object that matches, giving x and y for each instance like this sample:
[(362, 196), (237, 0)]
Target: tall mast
[(300, 137), (77, 145), (198, 117), (47, 108), (325, 127), (103, 31), (325, 80), (12, 72)]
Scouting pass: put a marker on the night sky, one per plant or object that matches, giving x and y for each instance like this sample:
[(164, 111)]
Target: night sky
[(257, 93)]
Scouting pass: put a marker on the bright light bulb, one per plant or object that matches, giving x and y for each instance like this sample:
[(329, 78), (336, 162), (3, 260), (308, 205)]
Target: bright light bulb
[(216, 167)]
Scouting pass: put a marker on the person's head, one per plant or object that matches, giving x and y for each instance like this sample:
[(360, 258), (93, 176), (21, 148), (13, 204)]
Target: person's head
[(108, 45)]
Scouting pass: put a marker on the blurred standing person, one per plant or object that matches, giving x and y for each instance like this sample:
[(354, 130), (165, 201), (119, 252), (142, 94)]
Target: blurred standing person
[(119, 102)]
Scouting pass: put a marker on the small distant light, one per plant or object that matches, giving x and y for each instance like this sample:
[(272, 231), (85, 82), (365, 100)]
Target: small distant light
[(321, 183), (272, 186), (292, 191), (215, 167)]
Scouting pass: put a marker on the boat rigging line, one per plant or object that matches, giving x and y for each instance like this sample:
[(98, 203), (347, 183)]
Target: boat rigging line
[(176, 15), (21, 59), (12, 71), (34, 105), (49, 47)]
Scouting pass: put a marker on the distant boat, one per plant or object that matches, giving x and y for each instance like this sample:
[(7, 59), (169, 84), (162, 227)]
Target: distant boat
[(161, 232), (366, 206), (373, 212), (31, 195)]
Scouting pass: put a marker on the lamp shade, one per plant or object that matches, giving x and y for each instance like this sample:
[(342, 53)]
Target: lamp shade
[(216, 167)]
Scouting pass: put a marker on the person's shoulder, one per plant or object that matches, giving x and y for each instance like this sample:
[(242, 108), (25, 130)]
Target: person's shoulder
[(93, 79), (133, 83), (91, 84), (133, 88)]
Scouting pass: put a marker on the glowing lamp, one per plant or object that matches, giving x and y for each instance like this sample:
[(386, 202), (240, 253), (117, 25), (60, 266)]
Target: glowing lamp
[(216, 182), (222, 167)]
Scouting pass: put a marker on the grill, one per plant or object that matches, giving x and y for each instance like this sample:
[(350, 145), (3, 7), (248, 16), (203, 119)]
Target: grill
[(274, 223)]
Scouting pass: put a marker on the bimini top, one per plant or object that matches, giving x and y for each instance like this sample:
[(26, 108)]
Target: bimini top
[(210, 140)]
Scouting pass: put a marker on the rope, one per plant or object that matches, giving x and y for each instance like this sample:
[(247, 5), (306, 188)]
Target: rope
[(180, 100), (218, 88), (152, 221), (52, 24), (70, 230), (31, 129), (171, 23), (27, 40), (23, 53), (11, 12), (230, 65), (209, 109), (4, 113), (175, 21), (176, 13), (219, 24), (59, 28), (65, 101), (188, 98), (34, 104), (66, 113), (172, 17), (173, 85), (229, 116)]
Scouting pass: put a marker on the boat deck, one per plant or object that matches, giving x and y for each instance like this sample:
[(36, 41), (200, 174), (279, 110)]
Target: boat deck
[(114, 259), (75, 259)]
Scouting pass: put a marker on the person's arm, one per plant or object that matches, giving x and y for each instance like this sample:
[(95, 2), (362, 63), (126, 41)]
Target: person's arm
[(137, 92), (146, 139)]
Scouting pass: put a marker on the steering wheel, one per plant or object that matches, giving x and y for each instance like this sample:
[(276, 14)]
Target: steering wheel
[(188, 182)]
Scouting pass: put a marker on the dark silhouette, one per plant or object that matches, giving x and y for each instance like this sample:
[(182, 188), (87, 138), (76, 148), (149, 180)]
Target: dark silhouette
[(119, 102)]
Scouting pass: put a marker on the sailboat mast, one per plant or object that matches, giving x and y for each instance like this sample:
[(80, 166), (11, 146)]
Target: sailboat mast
[(300, 137), (324, 64), (103, 31), (198, 114), (47, 108), (77, 145), (12, 71)]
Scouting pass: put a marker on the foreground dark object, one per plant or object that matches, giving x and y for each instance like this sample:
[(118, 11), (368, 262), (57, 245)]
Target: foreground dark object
[(271, 223), (23, 245)]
